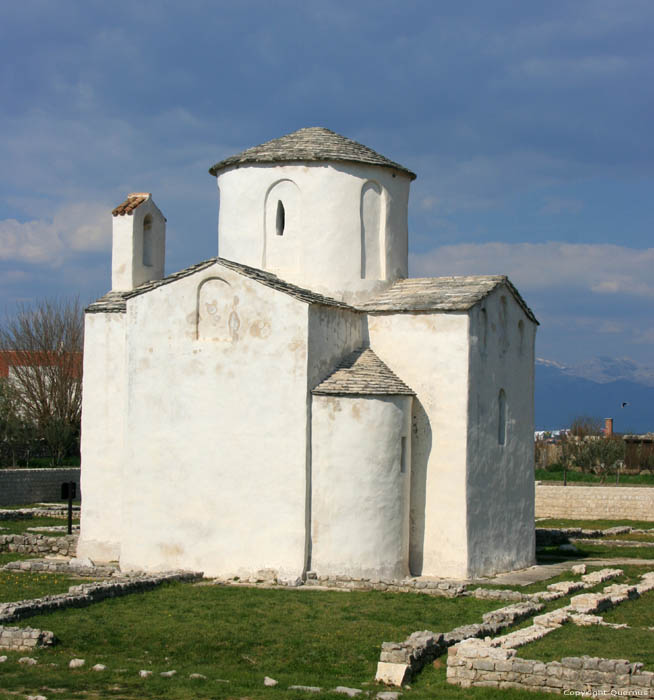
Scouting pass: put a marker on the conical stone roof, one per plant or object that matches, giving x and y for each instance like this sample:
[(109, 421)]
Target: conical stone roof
[(311, 144), (362, 373)]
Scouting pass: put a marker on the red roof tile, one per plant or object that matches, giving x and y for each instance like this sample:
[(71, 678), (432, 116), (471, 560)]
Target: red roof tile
[(133, 200)]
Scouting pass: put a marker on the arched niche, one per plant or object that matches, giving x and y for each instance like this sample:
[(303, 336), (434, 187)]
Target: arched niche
[(282, 217), (372, 244), (217, 313)]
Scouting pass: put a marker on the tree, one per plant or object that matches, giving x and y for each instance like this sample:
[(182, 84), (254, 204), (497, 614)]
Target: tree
[(583, 426), (43, 346), (608, 455)]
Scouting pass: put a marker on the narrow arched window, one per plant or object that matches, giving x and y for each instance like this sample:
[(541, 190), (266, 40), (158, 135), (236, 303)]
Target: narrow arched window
[(501, 418), (147, 241), (372, 245), (280, 219)]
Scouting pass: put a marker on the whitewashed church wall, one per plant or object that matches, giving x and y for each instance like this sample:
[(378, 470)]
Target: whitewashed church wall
[(360, 504), (429, 351), (216, 458), (333, 334), (501, 476), (102, 444), (321, 244)]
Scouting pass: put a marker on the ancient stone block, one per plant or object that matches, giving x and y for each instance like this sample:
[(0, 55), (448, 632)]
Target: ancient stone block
[(392, 673)]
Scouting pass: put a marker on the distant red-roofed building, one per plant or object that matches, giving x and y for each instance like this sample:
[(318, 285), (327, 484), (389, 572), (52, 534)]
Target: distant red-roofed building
[(23, 358)]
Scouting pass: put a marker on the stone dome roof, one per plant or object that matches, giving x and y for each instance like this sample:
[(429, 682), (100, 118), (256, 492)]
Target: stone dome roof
[(310, 144)]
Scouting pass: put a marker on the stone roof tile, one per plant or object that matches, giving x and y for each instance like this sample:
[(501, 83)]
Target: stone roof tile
[(313, 143), (362, 373), (440, 294), (116, 301)]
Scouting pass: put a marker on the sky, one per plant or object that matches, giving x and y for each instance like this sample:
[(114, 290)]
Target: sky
[(529, 125)]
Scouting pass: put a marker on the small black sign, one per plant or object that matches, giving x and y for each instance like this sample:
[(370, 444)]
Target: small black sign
[(68, 490)]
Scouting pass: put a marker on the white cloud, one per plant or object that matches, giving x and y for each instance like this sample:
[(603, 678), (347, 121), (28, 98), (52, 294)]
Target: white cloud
[(80, 227), (602, 269)]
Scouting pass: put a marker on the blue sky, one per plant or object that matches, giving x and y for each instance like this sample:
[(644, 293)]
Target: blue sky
[(528, 124)]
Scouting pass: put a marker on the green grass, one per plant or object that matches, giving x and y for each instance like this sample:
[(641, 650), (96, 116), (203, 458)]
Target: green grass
[(58, 504), (43, 463), (631, 574), (23, 585), (21, 527), (612, 552), (235, 634), (595, 524), (297, 637), (631, 537), (635, 613), (6, 557), (592, 479), (604, 642), (594, 551)]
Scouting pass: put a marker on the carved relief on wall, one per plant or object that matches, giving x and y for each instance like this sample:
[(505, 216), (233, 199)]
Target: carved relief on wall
[(217, 311)]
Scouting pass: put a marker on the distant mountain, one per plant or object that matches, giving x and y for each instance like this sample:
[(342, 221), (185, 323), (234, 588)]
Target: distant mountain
[(597, 388), (610, 369)]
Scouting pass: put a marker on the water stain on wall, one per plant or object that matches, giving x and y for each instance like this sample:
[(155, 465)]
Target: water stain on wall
[(260, 328)]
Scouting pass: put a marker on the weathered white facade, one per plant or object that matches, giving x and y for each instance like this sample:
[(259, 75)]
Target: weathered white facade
[(298, 404)]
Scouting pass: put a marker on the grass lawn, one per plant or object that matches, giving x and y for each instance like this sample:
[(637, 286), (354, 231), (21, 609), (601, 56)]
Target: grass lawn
[(23, 585), (236, 636), (595, 524), (635, 613), (6, 557), (28, 506), (233, 634), (21, 527), (593, 551), (631, 537), (585, 479), (570, 640)]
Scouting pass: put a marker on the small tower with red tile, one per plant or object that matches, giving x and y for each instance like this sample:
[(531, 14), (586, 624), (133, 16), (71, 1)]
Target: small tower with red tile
[(139, 242)]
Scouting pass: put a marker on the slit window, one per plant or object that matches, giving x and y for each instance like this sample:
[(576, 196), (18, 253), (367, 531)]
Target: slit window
[(147, 241), (501, 418), (403, 455), (280, 219)]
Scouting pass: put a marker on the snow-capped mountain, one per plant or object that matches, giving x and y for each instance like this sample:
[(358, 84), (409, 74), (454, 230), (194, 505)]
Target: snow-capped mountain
[(602, 387), (605, 369)]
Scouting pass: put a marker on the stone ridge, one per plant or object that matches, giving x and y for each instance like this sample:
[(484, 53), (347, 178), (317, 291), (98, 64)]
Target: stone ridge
[(441, 294), (313, 143), (116, 301), (362, 373), (134, 200)]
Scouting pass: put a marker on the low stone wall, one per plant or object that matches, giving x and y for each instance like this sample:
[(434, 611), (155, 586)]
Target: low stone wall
[(595, 502), (24, 638), (400, 661), (18, 486), (444, 588), (44, 511), (65, 566), (65, 545), (475, 663), (89, 593)]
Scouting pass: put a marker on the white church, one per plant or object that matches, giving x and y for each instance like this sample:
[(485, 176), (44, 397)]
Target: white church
[(299, 404)]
